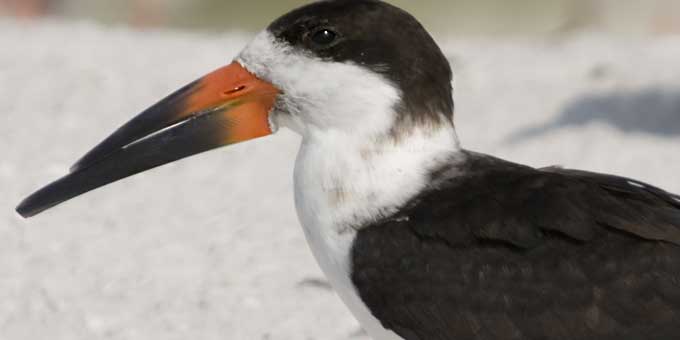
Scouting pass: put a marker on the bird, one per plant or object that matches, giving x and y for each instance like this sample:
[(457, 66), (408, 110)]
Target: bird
[(421, 238)]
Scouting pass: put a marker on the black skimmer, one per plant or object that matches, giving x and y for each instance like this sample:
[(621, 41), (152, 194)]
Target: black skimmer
[(422, 239)]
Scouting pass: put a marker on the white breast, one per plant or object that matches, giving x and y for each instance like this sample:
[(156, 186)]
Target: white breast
[(339, 188)]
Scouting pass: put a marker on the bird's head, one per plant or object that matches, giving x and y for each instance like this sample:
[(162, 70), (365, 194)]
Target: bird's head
[(357, 67), (351, 65)]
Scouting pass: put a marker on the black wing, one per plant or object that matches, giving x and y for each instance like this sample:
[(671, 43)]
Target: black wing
[(511, 252)]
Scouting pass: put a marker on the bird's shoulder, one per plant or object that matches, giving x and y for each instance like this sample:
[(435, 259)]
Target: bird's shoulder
[(486, 198), (497, 250)]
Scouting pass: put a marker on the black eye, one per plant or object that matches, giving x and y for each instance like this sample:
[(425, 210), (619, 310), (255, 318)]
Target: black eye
[(324, 37)]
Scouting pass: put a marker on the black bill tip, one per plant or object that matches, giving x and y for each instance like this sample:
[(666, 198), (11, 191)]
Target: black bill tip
[(195, 136), (42, 200)]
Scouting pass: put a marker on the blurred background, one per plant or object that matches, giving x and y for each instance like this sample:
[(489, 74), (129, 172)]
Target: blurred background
[(485, 17)]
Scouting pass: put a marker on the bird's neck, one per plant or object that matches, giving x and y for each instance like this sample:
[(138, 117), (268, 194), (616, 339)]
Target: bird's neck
[(344, 181)]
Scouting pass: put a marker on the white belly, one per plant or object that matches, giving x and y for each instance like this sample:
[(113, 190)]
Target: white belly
[(334, 259)]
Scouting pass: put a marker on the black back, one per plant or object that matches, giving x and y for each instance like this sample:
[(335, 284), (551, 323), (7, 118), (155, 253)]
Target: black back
[(382, 38), (506, 252)]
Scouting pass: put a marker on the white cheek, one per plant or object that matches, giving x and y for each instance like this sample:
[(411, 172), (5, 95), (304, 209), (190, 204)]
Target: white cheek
[(325, 94)]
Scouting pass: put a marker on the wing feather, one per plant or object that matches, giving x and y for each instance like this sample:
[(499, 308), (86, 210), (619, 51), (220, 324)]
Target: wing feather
[(507, 252)]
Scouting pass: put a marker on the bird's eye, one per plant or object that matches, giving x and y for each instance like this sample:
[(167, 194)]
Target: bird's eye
[(324, 37)]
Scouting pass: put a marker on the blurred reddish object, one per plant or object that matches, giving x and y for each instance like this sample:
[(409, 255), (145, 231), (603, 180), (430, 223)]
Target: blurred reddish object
[(26, 8), (148, 13), (667, 23)]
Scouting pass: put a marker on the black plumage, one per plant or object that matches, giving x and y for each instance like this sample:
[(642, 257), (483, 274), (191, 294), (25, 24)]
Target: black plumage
[(495, 250)]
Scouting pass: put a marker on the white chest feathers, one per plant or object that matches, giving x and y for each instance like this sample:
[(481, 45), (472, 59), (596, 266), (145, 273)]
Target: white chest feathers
[(343, 183)]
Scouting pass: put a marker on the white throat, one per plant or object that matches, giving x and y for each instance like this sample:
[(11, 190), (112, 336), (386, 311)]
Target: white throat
[(343, 181)]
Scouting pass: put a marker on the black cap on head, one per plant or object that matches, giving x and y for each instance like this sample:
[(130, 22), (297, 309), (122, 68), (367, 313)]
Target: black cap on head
[(380, 37)]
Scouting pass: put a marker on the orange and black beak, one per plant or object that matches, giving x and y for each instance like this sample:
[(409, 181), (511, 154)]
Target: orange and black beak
[(227, 106)]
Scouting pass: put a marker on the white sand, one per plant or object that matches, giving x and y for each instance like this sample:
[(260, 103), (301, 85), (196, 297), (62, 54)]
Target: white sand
[(210, 248)]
